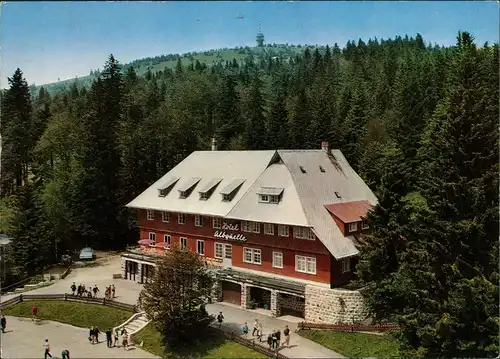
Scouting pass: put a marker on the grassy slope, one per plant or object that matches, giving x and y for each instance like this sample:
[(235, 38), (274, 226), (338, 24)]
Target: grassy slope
[(355, 345), (212, 346), (207, 57), (77, 314)]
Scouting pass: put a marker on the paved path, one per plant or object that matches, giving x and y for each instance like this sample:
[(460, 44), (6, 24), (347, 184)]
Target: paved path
[(300, 347), (25, 339), (128, 292)]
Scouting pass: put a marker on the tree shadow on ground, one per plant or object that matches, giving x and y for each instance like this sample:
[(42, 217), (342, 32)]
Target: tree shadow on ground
[(201, 348)]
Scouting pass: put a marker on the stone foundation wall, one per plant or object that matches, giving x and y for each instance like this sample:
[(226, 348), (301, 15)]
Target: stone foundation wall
[(334, 306), (290, 302)]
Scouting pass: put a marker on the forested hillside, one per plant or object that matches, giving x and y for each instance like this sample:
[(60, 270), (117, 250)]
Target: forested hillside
[(418, 123), (204, 58)]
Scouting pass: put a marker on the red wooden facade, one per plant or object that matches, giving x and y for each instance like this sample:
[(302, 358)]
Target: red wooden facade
[(328, 270)]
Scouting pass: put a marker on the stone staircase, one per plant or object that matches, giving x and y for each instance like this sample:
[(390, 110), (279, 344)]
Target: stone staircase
[(135, 323)]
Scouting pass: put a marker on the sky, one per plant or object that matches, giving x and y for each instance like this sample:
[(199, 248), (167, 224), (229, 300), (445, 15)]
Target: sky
[(61, 40)]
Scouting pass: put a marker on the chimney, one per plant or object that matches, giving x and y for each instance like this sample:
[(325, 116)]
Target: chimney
[(325, 147), (214, 144)]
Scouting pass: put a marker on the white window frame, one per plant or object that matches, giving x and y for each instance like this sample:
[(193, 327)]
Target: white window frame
[(150, 214), (263, 198), (167, 239), (152, 238), (203, 196), (245, 226), (278, 263), (183, 216), (269, 229), (202, 242), (306, 260), (274, 199), (198, 220), (353, 226), (255, 226), (283, 230), (221, 246), (216, 222), (185, 242), (252, 252), (226, 251), (303, 233), (346, 265), (165, 217), (226, 197), (364, 224)]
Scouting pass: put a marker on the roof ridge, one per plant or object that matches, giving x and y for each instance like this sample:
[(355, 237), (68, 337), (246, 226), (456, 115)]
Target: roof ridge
[(296, 190)]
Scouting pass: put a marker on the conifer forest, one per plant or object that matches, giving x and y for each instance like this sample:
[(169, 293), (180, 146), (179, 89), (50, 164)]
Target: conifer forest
[(419, 124)]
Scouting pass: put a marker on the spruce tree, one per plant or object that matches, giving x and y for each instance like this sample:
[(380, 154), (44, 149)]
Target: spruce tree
[(18, 134)]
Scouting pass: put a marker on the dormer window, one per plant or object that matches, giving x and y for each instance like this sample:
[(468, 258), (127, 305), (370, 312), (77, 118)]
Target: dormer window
[(270, 194), (322, 169), (187, 187), (165, 188), (302, 169), (337, 194), (209, 188), (231, 190)]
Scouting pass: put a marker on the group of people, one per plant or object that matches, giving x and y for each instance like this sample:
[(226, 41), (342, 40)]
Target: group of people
[(81, 290), (47, 354), (94, 337), (273, 339)]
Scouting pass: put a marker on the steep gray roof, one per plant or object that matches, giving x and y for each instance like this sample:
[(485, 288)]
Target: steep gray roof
[(316, 188), (207, 165)]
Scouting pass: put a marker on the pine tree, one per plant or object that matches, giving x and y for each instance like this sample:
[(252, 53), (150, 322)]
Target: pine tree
[(255, 130), (277, 136), (18, 134)]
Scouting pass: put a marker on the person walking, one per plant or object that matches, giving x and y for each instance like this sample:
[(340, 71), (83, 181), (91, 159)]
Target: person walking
[(255, 327), (286, 333), (96, 334), (270, 341), (113, 290), (278, 339), (244, 329), (65, 354), (47, 349), (125, 339), (3, 323), (273, 337), (109, 339), (220, 319), (95, 290), (260, 332), (116, 339), (34, 312), (73, 288)]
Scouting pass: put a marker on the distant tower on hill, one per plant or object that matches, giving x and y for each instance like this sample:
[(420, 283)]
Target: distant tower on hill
[(260, 38)]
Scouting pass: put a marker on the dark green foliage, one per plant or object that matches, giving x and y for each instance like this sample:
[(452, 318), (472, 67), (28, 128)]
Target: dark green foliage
[(18, 134), (176, 298), (441, 282), (418, 123)]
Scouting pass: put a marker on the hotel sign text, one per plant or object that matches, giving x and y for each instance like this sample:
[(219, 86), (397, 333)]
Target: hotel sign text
[(230, 236), (230, 227)]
